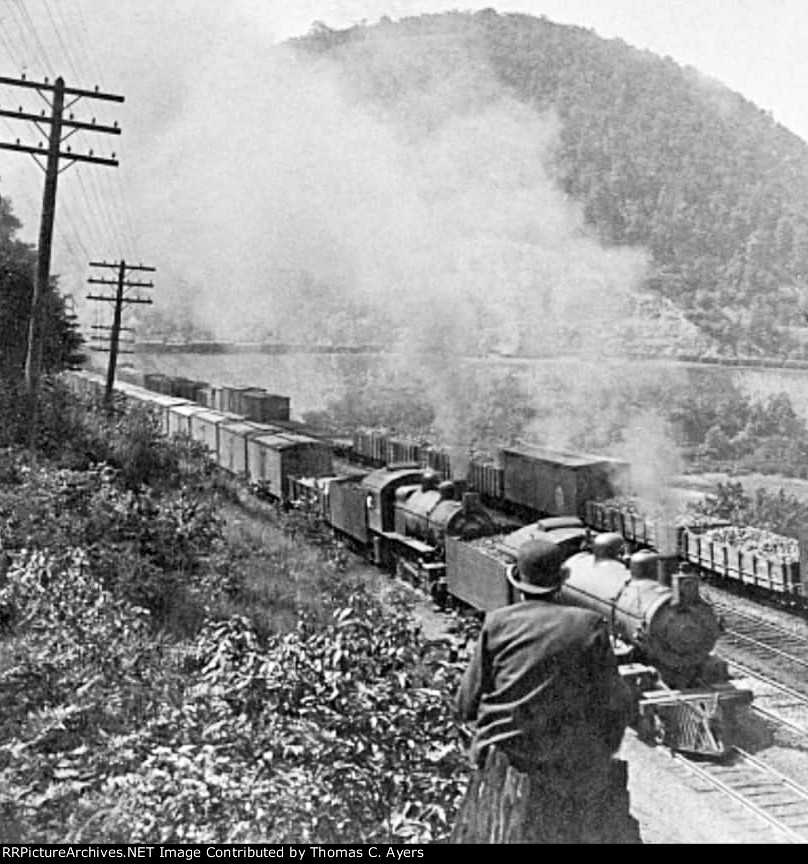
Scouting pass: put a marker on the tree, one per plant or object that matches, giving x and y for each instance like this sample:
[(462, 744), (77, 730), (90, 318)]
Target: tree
[(62, 341)]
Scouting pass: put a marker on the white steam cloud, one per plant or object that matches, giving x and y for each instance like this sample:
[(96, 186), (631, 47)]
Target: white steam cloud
[(391, 191)]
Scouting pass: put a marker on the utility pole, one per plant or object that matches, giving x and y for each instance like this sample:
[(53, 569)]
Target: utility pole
[(52, 154), (119, 299)]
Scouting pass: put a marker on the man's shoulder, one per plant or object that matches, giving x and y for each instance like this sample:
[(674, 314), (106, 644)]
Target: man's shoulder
[(539, 614)]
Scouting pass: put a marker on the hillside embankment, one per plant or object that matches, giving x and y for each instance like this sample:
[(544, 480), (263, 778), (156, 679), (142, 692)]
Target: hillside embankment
[(174, 670)]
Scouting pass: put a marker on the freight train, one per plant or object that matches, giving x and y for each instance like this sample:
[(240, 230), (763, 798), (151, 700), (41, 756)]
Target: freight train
[(458, 537)]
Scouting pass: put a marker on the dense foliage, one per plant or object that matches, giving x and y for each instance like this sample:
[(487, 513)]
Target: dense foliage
[(778, 512), (62, 342), (474, 412), (730, 431), (659, 156), (165, 678)]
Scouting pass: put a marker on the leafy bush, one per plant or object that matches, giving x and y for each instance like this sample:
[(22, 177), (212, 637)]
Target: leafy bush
[(162, 679), (780, 513), (323, 735)]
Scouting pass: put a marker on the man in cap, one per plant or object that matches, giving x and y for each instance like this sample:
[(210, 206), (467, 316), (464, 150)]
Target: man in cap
[(550, 711)]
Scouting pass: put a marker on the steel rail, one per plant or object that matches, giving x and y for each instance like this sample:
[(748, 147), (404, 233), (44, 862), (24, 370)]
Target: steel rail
[(738, 795)]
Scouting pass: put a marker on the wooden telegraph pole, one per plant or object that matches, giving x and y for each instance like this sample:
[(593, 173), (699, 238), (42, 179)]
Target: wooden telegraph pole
[(53, 155), (119, 299)]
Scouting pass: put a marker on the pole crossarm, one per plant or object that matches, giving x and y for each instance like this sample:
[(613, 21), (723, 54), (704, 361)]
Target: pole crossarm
[(68, 91), (126, 284), (114, 299), (66, 124), (115, 265), (69, 154)]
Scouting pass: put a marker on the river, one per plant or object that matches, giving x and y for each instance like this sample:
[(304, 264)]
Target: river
[(311, 380)]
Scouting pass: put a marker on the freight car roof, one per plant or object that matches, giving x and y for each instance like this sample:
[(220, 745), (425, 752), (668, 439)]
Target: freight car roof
[(165, 401), (560, 457), (210, 416), (243, 427), (282, 442), (377, 480), (187, 409)]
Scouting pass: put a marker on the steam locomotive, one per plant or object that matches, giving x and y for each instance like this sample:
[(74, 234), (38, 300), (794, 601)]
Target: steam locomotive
[(446, 536)]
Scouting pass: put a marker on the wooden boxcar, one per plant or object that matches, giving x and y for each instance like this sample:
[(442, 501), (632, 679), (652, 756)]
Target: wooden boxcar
[(159, 404), (205, 429), (273, 458), (558, 483), (179, 418), (263, 407), (233, 438)]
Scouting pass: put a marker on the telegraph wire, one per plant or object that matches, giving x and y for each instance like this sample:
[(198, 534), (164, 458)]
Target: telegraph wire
[(19, 24), (8, 46), (82, 30), (112, 224), (66, 53), (128, 219), (32, 29), (90, 225)]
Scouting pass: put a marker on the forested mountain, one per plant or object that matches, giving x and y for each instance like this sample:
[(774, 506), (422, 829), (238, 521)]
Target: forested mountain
[(659, 156)]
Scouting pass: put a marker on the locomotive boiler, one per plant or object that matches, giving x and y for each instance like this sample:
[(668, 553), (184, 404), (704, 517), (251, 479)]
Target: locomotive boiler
[(661, 615), (431, 511), (684, 696)]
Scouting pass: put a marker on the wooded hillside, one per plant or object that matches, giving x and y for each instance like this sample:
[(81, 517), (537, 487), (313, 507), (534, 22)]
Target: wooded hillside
[(660, 156)]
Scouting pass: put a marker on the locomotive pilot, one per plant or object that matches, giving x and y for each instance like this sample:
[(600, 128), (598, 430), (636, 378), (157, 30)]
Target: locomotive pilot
[(550, 710)]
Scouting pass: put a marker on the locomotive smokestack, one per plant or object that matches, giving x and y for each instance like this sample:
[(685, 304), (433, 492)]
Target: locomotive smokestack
[(668, 547)]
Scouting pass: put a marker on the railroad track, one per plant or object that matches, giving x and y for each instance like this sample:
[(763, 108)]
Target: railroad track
[(775, 701), (764, 641), (771, 796)]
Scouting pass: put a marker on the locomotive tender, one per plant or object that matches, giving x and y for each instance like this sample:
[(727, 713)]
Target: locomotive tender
[(438, 534)]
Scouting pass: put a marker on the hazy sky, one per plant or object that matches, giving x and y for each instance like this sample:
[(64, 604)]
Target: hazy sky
[(156, 53), (757, 47)]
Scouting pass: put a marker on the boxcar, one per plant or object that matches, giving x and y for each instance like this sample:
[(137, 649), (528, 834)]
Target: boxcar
[(159, 404), (558, 483), (263, 407), (205, 429), (155, 381), (233, 438), (179, 418), (273, 458)]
